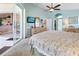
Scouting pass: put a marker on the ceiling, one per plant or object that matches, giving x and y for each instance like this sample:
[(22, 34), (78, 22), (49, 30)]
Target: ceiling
[(2, 15), (6, 5), (64, 6)]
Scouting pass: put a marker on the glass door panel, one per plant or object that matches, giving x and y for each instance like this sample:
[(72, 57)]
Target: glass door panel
[(18, 23)]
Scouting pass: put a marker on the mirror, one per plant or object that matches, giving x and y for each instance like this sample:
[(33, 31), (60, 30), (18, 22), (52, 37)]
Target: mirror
[(37, 22)]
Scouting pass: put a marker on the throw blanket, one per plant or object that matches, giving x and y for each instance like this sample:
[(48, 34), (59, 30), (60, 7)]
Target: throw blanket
[(56, 43)]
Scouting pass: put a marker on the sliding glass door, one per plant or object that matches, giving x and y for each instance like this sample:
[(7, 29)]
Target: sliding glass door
[(12, 24), (18, 23)]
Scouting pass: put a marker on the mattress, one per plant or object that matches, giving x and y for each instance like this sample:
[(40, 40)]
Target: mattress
[(55, 43), (6, 36), (9, 35)]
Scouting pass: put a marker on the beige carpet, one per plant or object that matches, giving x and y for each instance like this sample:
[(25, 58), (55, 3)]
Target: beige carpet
[(22, 48), (4, 49)]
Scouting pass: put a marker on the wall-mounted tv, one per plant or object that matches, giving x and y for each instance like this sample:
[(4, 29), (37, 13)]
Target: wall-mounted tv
[(30, 19)]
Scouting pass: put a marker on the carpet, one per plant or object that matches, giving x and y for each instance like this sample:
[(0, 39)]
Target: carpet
[(4, 49), (22, 48)]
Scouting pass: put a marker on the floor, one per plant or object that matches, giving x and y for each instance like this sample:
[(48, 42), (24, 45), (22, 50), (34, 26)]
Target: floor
[(5, 44), (2, 50), (22, 48)]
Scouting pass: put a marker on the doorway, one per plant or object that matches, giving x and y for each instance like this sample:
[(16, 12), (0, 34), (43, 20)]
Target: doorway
[(55, 24), (58, 22), (12, 25), (19, 23)]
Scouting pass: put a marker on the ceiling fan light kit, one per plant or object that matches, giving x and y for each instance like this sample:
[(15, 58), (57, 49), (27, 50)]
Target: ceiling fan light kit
[(52, 8)]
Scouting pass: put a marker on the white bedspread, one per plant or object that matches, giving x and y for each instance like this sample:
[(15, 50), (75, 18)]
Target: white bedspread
[(3, 40), (56, 43)]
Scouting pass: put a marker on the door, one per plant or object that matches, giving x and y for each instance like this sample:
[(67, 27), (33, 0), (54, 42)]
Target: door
[(18, 23), (58, 24)]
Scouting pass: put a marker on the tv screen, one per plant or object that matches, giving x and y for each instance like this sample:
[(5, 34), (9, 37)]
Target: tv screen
[(30, 19)]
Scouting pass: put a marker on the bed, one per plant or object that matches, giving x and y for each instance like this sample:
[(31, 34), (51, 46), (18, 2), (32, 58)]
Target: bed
[(6, 31), (6, 36), (4, 40), (55, 43)]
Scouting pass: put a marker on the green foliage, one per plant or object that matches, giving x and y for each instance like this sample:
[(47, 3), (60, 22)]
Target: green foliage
[(0, 21)]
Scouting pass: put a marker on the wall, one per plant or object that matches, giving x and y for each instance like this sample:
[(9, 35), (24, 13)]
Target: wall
[(34, 11), (66, 14)]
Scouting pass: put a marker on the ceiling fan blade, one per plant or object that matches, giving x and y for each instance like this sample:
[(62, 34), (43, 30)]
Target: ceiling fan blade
[(56, 9), (57, 6), (48, 6)]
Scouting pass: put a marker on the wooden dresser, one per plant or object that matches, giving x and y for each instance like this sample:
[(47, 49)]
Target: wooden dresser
[(75, 30), (38, 30)]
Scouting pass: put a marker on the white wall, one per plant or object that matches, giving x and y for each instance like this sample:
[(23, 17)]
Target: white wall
[(67, 23), (7, 7)]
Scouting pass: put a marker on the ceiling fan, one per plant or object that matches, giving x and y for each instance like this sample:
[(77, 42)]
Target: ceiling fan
[(52, 7)]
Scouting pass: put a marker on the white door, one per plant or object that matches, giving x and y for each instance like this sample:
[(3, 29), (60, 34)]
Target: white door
[(59, 24), (49, 24)]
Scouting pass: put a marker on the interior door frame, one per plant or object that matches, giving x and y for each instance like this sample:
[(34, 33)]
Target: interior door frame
[(22, 24)]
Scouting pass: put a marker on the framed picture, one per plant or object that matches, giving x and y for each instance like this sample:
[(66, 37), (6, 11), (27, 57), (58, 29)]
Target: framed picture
[(73, 20)]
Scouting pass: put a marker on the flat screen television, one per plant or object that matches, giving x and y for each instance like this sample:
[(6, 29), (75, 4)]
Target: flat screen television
[(30, 19)]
